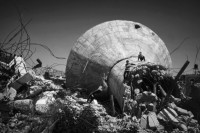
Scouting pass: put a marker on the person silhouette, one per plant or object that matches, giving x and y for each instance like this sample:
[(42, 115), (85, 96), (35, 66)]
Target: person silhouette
[(141, 57)]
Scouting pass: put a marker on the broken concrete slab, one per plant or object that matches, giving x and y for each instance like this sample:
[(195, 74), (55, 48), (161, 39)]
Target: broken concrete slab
[(43, 105), (20, 65), (1, 96), (25, 105), (22, 80), (168, 116), (35, 90), (153, 122), (10, 93), (143, 121)]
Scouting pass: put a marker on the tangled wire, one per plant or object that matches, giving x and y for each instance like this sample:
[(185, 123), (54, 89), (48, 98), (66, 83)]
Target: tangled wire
[(18, 42)]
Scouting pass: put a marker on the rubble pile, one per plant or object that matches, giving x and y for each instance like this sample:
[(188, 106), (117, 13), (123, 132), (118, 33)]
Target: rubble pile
[(149, 95), (24, 123), (31, 108), (149, 98), (42, 106), (83, 117), (95, 119), (142, 78)]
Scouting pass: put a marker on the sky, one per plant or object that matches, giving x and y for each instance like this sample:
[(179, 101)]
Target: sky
[(59, 23)]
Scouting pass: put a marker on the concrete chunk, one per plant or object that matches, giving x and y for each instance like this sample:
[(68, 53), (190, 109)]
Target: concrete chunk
[(43, 105), (25, 105), (143, 121), (10, 93), (21, 80), (152, 120)]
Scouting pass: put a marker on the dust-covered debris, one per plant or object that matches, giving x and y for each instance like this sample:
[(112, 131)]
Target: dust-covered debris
[(152, 100), (40, 105)]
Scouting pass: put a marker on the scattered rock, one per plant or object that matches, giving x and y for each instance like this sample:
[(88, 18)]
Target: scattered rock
[(1, 96), (143, 121), (22, 80), (35, 90), (11, 93), (45, 104), (25, 105), (153, 122), (12, 125)]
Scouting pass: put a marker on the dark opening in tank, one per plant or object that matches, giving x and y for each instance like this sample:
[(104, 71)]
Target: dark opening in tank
[(137, 26)]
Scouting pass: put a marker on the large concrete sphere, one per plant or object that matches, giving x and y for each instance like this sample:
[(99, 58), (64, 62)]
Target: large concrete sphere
[(101, 47)]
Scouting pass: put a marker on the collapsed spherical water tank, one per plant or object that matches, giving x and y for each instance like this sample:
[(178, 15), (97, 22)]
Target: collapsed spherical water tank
[(102, 48)]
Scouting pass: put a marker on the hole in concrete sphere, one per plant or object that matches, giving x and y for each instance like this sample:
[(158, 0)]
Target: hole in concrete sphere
[(137, 26)]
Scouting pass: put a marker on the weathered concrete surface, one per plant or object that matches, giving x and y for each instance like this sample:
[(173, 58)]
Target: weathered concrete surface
[(45, 105), (25, 105), (22, 80), (101, 47)]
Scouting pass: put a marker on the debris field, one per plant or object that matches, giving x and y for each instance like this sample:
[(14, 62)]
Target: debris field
[(106, 90)]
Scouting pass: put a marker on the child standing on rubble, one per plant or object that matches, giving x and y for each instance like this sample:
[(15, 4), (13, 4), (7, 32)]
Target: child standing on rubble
[(141, 57)]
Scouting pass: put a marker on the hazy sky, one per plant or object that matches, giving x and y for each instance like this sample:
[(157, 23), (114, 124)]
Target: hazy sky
[(58, 24)]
